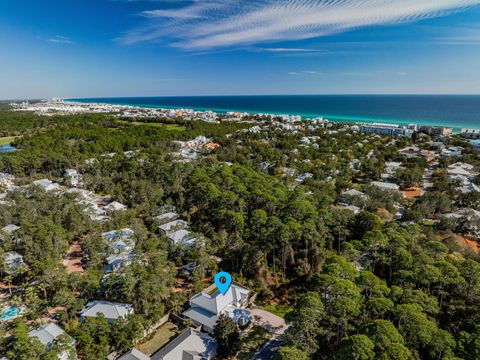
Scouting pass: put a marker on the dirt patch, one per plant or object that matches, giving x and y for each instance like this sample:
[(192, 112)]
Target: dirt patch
[(413, 192), (73, 259), (467, 243)]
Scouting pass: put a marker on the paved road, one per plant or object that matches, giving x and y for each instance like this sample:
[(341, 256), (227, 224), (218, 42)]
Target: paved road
[(268, 350)]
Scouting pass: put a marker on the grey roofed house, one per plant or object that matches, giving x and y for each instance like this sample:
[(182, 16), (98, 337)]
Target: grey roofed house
[(116, 206), (179, 236), (111, 310), (207, 305), (386, 186), (47, 334), (166, 216), (172, 226), (10, 229), (190, 345), (134, 354), (47, 185), (13, 261)]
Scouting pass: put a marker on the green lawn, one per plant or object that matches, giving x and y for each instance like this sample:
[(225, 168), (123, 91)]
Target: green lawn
[(160, 338), (252, 342), (7, 140), (279, 310)]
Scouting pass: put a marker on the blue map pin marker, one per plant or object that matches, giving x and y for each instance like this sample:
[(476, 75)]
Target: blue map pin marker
[(223, 280)]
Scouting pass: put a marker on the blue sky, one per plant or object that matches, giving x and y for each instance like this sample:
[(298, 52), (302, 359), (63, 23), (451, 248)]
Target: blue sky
[(95, 48)]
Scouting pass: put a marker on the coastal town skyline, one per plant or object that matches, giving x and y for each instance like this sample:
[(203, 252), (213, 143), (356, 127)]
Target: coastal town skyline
[(155, 48)]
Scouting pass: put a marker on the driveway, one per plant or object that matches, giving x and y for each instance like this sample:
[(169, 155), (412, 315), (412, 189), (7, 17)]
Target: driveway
[(271, 322), (268, 350)]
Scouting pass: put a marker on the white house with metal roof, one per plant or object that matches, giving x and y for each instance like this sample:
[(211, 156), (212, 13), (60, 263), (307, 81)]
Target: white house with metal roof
[(48, 334), (111, 310), (172, 226), (206, 306)]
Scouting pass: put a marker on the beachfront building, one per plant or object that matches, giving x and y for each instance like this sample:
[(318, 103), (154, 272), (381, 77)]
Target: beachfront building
[(470, 133), (190, 345), (110, 310), (49, 334), (435, 130), (208, 305), (386, 129)]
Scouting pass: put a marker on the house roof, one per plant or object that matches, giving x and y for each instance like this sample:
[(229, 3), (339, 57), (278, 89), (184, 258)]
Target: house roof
[(191, 342), (113, 234), (201, 316), (213, 301), (9, 229), (166, 216), (179, 235), (134, 354), (47, 333), (385, 185), (173, 225), (115, 205), (109, 309)]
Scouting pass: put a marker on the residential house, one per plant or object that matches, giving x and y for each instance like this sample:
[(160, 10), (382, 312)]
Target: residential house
[(73, 177), (49, 334), (116, 206), (463, 174), (301, 179), (110, 310), (13, 262), (452, 151), (206, 306), (166, 217), (386, 186), (181, 236), (190, 345), (172, 226), (6, 180), (47, 185), (134, 354)]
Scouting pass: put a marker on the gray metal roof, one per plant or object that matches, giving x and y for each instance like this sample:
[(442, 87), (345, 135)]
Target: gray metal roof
[(47, 333), (191, 342), (201, 316), (134, 354), (109, 309)]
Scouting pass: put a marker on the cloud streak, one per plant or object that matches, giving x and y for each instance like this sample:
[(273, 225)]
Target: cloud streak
[(210, 24), (58, 39)]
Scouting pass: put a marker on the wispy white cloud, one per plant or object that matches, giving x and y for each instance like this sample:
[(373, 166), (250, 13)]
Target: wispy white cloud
[(286, 50), (58, 39), (208, 24), (467, 35)]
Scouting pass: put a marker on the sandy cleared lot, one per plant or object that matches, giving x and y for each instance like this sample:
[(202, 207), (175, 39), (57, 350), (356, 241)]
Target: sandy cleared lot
[(73, 259)]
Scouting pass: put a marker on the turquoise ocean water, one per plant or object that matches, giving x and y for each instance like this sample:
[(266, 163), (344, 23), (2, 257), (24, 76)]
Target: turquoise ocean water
[(457, 111)]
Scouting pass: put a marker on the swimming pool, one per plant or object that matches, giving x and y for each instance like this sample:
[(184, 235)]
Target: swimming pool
[(10, 312)]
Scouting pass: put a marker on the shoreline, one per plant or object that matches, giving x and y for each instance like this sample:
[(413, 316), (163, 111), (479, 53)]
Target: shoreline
[(305, 116)]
